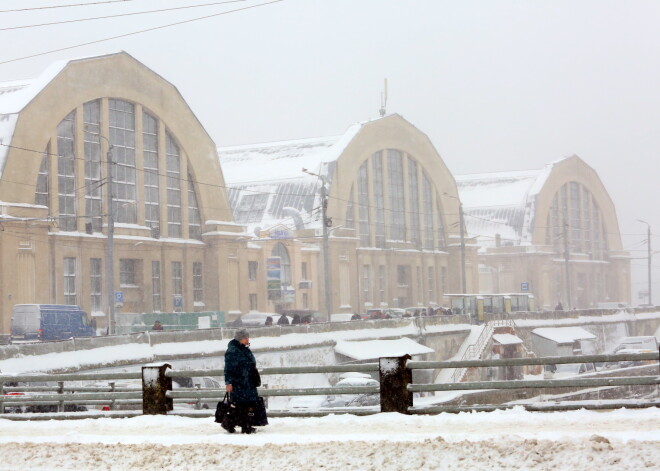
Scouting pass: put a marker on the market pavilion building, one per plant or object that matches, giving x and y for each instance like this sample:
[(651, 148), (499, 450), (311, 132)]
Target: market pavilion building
[(392, 220), (553, 231), (173, 227)]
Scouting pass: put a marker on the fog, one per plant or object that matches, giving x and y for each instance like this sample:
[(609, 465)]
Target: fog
[(496, 85)]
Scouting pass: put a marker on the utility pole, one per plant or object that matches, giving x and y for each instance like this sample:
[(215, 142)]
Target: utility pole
[(462, 232), (567, 265), (648, 246), (109, 248), (326, 223), (326, 250)]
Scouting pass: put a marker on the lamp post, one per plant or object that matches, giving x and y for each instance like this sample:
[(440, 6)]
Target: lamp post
[(327, 222), (648, 245)]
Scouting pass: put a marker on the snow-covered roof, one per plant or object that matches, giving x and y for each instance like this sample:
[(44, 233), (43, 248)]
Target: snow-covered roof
[(501, 203), (266, 185), (16, 95), (371, 349), (564, 334), (507, 339)]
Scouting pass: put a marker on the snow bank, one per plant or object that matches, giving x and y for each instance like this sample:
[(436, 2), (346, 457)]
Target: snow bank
[(512, 439)]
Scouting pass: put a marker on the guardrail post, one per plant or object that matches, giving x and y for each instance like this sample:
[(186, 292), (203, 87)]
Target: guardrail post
[(112, 389), (394, 380), (154, 388), (60, 390)]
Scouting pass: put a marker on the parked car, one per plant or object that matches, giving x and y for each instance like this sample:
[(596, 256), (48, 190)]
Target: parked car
[(39, 408), (196, 383), (340, 399), (49, 322), (259, 319), (567, 370)]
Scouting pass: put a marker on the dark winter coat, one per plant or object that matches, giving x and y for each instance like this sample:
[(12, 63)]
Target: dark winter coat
[(241, 372)]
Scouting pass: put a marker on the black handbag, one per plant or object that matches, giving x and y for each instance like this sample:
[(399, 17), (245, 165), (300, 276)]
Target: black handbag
[(226, 413), (256, 412), (255, 377)]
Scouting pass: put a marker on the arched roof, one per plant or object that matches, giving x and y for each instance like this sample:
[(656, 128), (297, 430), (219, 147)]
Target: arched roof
[(275, 171), (515, 205), (30, 111)]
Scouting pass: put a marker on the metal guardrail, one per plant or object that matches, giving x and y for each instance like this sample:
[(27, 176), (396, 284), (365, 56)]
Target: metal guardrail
[(396, 388)]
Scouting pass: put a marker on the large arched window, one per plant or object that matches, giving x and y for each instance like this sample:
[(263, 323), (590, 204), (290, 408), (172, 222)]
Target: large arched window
[(114, 123), (280, 250), (393, 207), (575, 214)]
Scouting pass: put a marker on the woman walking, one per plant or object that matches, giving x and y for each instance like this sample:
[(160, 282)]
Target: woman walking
[(241, 379)]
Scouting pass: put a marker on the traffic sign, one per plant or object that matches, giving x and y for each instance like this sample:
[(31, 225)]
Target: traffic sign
[(524, 286)]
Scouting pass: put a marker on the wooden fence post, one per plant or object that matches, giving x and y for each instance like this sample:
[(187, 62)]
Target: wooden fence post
[(154, 388), (394, 380)]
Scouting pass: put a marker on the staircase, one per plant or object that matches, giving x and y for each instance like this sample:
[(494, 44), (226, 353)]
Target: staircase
[(475, 350)]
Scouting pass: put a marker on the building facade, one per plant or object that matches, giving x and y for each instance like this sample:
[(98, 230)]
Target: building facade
[(553, 231), (391, 214), (173, 227)]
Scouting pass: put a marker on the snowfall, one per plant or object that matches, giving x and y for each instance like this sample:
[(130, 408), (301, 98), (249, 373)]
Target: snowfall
[(512, 439)]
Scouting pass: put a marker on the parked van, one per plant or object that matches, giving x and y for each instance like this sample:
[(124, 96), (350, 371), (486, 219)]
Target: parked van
[(49, 322)]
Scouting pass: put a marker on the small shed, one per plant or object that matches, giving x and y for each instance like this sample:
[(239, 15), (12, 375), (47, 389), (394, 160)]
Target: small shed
[(560, 341)]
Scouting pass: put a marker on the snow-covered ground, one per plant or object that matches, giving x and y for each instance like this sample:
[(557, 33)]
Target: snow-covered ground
[(513, 439)]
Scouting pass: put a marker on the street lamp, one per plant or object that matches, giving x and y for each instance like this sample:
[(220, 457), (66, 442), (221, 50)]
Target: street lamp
[(461, 223), (327, 222), (648, 245)]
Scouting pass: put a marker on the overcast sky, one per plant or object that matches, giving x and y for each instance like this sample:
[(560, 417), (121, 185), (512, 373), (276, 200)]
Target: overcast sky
[(496, 85)]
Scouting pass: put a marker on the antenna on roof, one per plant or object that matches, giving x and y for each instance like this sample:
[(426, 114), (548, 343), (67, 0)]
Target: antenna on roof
[(383, 100)]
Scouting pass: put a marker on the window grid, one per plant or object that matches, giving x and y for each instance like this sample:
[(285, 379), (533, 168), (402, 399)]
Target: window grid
[(151, 171), (70, 296), (350, 212), (92, 150), (42, 195), (430, 277), (122, 138), (381, 284), (397, 200), (194, 220), (95, 286), (173, 188), (379, 199), (177, 279), (155, 283), (363, 205), (198, 282), (66, 175), (127, 272), (427, 193), (279, 250), (413, 198)]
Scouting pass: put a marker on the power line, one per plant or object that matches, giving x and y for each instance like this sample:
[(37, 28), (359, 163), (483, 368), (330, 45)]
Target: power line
[(64, 6), (119, 15), (139, 32)]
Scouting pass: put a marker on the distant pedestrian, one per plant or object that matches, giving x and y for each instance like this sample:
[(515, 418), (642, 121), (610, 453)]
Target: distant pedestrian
[(283, 320), (157, 326), (559, 307), (269, 320), (296, 319)]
